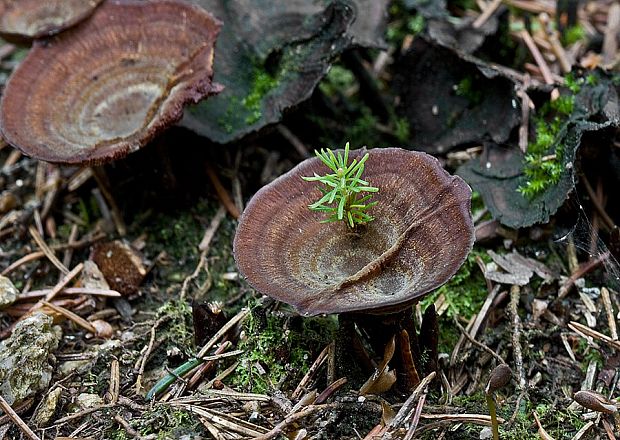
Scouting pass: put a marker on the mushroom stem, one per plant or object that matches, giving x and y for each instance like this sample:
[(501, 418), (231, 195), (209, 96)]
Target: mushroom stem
[(493, 414), (379, 330)]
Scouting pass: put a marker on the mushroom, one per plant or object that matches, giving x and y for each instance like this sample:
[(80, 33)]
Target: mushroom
[(29, 19), (422, 233), (105, 88)]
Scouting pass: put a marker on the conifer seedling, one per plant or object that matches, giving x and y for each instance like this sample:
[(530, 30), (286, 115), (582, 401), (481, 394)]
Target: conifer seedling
[(342, 190)]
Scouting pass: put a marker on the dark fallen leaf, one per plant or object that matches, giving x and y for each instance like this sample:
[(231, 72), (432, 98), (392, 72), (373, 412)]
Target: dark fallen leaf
[(453, 32), (271, 54), (517, 269), (450, 101), (498, 172)]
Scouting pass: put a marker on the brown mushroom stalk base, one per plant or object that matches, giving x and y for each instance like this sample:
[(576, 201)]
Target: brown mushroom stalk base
[(415, 353)]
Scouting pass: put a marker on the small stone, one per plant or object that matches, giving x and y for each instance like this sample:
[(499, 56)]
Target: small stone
[(486, 433), (47, 408), (89, 400), (8, 202), (8, 292), (26, 358)]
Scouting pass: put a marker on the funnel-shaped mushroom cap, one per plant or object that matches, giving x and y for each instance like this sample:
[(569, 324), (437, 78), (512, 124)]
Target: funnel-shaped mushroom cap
[(29, 19), (105, 88), (421, 235)]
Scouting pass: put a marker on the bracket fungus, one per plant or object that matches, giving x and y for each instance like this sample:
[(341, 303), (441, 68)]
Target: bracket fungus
[(421, 235), (29, 19), (105, 88)]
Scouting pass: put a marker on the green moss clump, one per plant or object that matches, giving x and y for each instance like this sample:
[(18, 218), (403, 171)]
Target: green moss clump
[(464, 294), (281, 348), (543, 165), (262, 84), (467, 89), (573, 34)]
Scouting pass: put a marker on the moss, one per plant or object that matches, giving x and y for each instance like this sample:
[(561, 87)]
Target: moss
[(464, 294), (403, 23), (573, 34), (337, 80), (468, 89), (281, 347), (543, 163), (248, 110), (168, 423), (262, 84)]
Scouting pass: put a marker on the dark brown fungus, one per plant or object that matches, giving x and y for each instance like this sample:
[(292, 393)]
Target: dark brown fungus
[(422, 234), (28, 19), (105, 88)]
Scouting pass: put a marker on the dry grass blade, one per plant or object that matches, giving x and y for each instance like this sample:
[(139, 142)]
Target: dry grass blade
[(71, 316), (216, 221), (225, 420), (16, 419), (239, 317), (69, 291), (301, 387), (222, 194), (478, 419), (544, 435), (486, 14), (587, 331), (46, 250), (409, 406), (292, 418)]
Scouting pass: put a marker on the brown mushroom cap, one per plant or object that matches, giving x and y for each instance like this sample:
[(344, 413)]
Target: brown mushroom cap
[(105, 88), (28, 19), (421, 235)]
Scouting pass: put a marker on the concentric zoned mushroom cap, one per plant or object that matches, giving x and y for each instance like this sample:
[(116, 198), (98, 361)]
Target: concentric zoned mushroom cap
[(28, 19), (105, 88), (421, 235)]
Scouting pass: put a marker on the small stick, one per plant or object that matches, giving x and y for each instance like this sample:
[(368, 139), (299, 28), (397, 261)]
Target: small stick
[(71, 316), (331, 389), (610, 42), (540, 60), (486, 14), (541, 431), (292, 418), (587, 331), (23, 260), (115, 381), (61, 247), (293, 140), (478, 344), (216, 221), (408, 406), (515, 294), (222, 193), (46, 250), (239, 317), (202, 261), (104, 186), (416, 417), (68, 255), (580, 272), (69, 291), (610, 313), (14, 156), (301, 387), (596, 201), (16, 419), (127, 427), (526, 102), (608, 430)]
